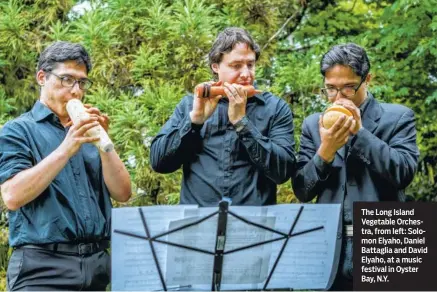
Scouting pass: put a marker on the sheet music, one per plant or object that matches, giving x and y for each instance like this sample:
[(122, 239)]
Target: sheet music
[(306, 262), (249, 268), (308, 258), (133, 267), (187, 267)]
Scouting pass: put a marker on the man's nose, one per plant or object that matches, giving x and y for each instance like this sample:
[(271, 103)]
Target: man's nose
[(245, 71), (75, 90), (339, 96)]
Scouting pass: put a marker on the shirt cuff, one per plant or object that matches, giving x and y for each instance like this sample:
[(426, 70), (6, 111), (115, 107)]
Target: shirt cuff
[(241, 124), (195, 128), (323, 168), (187, 127)]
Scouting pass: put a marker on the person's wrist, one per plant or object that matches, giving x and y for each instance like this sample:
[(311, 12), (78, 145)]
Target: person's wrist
[(240, 124), (196, 118), (325, 154), (63, 152)]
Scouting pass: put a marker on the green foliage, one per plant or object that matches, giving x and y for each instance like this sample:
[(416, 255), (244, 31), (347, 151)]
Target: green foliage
[(148, 54), (400, 37)]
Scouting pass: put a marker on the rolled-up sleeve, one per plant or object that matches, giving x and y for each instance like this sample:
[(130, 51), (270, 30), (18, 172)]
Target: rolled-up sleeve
[(15, 153)]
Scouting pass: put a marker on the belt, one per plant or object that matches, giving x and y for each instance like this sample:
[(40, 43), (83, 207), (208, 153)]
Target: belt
[(79, 248), (349, 230)]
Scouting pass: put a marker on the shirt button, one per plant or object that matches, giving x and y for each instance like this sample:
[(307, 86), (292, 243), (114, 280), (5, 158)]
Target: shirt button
[(338, 235)]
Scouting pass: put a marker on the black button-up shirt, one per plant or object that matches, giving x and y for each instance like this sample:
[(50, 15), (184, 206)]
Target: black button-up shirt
[(76, 206), (219, 162)]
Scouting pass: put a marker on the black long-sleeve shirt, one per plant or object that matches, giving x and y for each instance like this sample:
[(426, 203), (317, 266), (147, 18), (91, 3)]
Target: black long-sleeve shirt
[(219, 162)]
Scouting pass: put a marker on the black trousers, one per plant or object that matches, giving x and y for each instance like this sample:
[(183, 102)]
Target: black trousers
[(344, 279), (39, 269)]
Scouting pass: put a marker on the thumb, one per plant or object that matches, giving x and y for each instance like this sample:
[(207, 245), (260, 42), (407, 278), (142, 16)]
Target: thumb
[(320, 121), (217, 98)]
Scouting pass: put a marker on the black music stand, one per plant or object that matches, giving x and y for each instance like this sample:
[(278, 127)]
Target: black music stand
[(219, 251)]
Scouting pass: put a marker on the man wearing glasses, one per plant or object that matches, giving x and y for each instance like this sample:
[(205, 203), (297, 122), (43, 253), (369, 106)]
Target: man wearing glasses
[(57, 186), (371, 156)]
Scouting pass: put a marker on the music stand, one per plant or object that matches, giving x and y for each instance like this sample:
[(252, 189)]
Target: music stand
[(219, 252)]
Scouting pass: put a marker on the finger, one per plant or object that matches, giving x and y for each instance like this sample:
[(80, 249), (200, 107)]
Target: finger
[(82, 130), (87, 139), (354, 110), (337, 125), (104, 122), (344, 130), (101, 120), (69, 124), (93, 110), (218, 83), (233, 89), (94, 116), (236, 92), (321, 127), (241, 92), (344, 137), (200, 100), (86, 120), (105, 117), (352, 128), (87, 105), (229, 95), (217, 98)]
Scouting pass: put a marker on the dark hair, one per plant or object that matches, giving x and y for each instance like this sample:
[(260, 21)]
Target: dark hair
[(226, 41), (350, 55), (59, 52)]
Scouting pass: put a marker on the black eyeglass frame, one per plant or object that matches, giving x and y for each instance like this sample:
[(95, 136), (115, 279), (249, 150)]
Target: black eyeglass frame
[(82, 82), (324, 90)]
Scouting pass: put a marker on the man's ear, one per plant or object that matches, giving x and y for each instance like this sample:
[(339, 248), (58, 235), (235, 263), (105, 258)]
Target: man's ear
[(41, 77), (368, 78), (215, 67)]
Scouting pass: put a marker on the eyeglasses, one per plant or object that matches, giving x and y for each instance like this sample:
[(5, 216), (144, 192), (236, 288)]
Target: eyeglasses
[(347, 91), (68, 81)]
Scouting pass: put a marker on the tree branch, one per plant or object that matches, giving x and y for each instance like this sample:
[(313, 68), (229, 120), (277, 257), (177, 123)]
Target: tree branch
[(295, 15)]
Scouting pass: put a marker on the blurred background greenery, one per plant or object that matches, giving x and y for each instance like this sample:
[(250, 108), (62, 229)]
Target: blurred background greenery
[(148, 53)]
